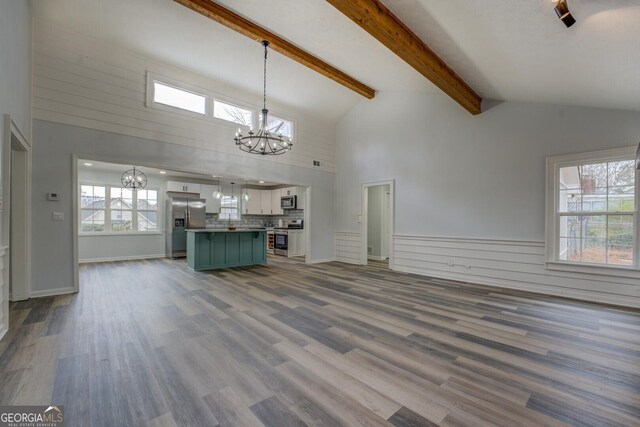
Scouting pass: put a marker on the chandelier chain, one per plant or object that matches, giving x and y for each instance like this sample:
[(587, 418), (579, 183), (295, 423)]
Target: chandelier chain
[(264, 77)]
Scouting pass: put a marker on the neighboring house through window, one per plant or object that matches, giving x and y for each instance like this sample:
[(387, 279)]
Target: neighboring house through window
[(592, 209), (105, 208)]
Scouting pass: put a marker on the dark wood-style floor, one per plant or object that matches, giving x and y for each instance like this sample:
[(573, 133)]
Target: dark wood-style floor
[(153, 343)]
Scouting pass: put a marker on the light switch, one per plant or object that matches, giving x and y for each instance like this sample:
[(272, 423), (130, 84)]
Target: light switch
[(359, 219), (57, 216)]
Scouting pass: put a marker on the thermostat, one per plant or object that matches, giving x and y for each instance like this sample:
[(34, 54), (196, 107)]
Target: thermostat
[(53, 197)]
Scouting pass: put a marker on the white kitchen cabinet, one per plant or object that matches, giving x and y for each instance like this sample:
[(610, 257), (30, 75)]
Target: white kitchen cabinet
[(213, 204), (296, 243), (254, 205), (265, 196), (276, 208), (183, 187)]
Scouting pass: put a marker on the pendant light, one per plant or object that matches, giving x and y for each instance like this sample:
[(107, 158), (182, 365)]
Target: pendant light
[(218, 194), (246, 195), (233, 195), (133, 179), (263, 142)]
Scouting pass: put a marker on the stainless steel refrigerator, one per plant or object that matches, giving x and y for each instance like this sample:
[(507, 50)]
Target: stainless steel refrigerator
[(182, 213)]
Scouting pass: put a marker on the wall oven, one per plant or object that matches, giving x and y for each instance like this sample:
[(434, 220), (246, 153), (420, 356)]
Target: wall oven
[(289, 202)]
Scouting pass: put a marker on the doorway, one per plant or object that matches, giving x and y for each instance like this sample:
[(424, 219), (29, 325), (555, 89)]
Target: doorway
[(377, 224), (16, 211)]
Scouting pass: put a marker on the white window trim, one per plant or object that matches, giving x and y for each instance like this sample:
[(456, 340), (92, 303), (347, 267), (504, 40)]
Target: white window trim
[(553, 165), (150, 95), (107, 216)]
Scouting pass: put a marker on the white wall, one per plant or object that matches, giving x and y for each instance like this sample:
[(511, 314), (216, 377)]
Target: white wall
[(15, 90), (461, 177)]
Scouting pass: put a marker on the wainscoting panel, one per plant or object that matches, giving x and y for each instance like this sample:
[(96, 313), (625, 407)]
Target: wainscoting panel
[(348, 247), (510, 264)]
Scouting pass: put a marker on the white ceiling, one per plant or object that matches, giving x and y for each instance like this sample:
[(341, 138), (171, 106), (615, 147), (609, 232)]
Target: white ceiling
[(506, 49)]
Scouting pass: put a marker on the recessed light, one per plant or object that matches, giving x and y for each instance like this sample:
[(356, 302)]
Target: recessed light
[(162, 172), (88, 164), (214, 176), (261, 182)]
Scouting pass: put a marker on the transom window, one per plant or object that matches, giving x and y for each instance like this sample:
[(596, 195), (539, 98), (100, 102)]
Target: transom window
[(595, 211), (279, 126), (179, 98), (105, 208), (232, 113)]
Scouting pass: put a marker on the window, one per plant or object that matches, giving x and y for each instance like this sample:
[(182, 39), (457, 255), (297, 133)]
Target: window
[(279, 126), (105, 208), (179, 98), (231, 113), (147, 210), (92, 207), (594, 210), (229, 208)]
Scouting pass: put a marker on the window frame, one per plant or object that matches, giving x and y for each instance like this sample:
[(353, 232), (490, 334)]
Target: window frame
[(552, 243), (108, 231), (238, 209), (152, 78)]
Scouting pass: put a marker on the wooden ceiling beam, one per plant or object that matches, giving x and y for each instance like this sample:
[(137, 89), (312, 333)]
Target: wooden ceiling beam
[(249, 29), (383, 25)]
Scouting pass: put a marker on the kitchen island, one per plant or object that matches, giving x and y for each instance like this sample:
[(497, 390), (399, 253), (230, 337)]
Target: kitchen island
[(210, 249)]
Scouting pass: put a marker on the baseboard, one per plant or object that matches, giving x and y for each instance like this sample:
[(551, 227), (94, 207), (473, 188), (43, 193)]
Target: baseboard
[(3, 331), (124, 258), (376, 258), (52, 292), (321, 261)]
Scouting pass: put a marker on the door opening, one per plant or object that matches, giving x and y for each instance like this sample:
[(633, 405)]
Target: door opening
[(377, 224)]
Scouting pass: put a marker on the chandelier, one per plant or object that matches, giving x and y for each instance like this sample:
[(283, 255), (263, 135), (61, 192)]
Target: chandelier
[(263, 142), (133, 179)]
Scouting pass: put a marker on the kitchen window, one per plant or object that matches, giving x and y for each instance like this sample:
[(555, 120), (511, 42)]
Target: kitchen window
[(113, 209), (592, 217), (169, 95), (229, 209)]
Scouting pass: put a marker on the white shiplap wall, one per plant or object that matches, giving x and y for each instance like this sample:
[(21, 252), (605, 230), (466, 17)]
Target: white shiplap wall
[(85, 82), (506, 263), (348, 247), (503, 263)]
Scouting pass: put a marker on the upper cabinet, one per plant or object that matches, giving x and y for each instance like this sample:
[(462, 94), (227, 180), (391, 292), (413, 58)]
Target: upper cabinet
[(213, 204), (276, 208), (265, 196), (183, 187), (253, 206)]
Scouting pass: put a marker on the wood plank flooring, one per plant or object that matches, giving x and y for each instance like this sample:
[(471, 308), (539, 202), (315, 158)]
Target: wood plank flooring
[(152, 343)]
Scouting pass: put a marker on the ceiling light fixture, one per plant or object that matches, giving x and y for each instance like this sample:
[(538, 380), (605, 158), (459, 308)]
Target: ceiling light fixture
[(562, 10), (133, 179), (162, 172), (246, 195), (261, 182), (88, 164), (263, 142), (218, 194)]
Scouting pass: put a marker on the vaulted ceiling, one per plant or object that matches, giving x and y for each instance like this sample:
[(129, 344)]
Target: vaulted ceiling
[(505, 49)]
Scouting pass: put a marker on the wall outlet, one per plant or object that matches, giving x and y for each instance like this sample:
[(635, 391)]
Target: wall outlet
[(53, 197), (57, 216), (451, 263), (316, 163)]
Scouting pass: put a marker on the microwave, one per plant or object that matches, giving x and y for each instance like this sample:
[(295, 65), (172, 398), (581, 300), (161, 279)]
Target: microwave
[(289, 202)]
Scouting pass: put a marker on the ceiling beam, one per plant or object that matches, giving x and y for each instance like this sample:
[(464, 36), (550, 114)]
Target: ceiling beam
[(247, 28), (384, 26)]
